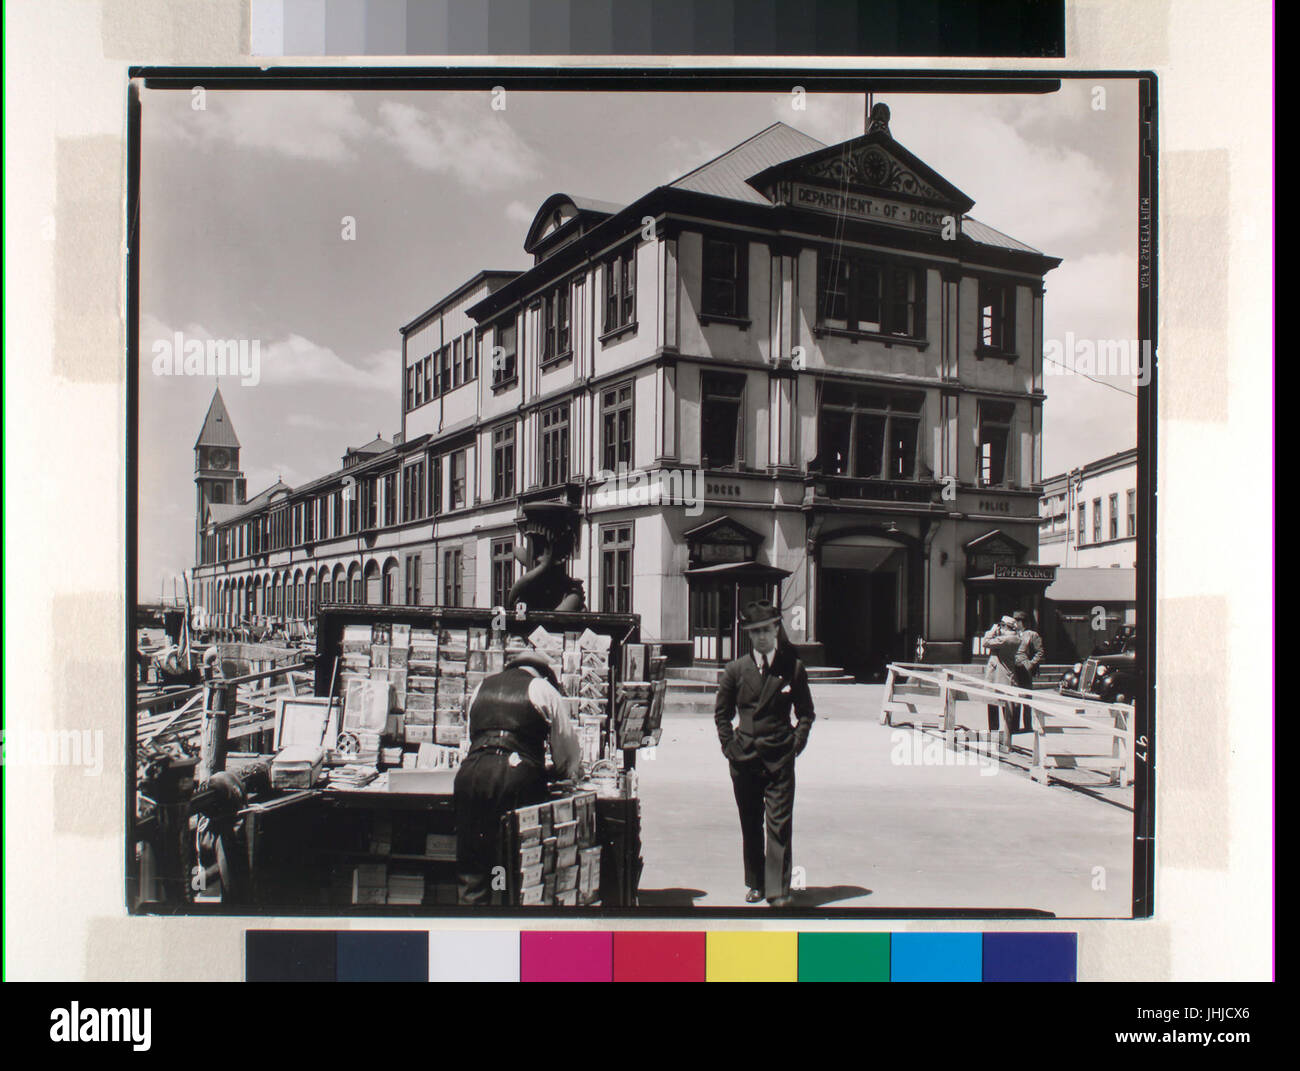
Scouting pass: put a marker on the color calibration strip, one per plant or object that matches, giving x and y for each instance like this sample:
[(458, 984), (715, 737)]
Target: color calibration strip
[(1027, 28), (671, 956)]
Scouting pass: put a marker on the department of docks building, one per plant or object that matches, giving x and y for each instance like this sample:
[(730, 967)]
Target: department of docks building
[(819, 376)]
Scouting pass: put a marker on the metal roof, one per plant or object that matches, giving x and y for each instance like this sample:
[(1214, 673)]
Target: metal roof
[(986, 235), (217, 428), (725, 175)]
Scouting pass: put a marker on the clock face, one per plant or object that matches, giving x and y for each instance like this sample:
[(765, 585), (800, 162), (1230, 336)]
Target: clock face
[(218, 459)]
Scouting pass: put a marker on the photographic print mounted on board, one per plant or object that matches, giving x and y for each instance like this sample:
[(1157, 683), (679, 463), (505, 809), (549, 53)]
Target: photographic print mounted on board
[(729, 497)]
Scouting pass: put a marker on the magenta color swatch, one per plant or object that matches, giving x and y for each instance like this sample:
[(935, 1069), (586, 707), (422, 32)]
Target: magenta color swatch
[(547, 956)]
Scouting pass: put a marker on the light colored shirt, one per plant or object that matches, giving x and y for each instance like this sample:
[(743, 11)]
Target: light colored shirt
[(762, 660), (566, 751)]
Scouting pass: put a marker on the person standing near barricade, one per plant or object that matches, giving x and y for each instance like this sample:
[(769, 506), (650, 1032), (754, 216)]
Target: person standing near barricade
[(512, 716), (1002, 642), (1029, 655)]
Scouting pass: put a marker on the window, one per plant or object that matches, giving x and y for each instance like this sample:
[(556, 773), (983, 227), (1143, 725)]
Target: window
[(442, 377), (725, 275), (555, 445), (503, 570), (620, 290), (998, 316), (414, 566), (995, 439), (503, 355), (1114, 516), (471, 357), (451, 577), (555, 324), (503, 463), (616, 422), (336, 513), (1132, 527), (413, 491), (435, 486), (1096, 520), (309, 520), (410, 387), (616, 568), (721, 423), (458, 487), (390, 498), (352, 500), (869, 434), (426, 375), (859, 294), (457, 363), (370, 502), (1082, 526), (354, 578)]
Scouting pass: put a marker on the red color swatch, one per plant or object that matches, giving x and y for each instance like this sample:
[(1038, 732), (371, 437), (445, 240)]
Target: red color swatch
[(659, 957)]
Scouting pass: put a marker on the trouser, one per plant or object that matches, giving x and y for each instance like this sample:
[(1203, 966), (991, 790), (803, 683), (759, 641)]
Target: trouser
[(765, 800), (487, 786), (1019, 711)]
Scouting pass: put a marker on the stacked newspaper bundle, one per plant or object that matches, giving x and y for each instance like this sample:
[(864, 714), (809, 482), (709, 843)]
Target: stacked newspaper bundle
[(353, 776)]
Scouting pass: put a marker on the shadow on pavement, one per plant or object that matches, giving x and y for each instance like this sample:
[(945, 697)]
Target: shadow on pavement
[(820, 895), (668, 897)]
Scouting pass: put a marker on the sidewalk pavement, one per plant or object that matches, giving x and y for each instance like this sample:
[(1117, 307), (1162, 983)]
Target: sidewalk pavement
[(885, 818)]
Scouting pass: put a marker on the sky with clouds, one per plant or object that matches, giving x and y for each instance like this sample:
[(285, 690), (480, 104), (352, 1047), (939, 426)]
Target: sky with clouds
[(242, 219)]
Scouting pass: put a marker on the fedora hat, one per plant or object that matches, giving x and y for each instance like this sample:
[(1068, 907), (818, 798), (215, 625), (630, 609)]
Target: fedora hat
[(537, 661), (758, 613)]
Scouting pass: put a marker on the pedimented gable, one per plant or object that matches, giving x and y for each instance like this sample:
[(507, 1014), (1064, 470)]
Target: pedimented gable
[(871, 178)]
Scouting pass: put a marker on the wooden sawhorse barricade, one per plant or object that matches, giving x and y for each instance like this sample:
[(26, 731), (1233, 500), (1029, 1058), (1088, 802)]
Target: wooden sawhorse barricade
[(926, 697)]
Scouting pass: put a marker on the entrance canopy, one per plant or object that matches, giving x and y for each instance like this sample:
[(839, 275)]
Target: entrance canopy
[(738, 571)]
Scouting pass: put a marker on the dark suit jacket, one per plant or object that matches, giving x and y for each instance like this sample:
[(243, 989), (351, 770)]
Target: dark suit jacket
[(763, 707)]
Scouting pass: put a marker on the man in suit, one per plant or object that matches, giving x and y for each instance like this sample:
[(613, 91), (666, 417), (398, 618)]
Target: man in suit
[(759, 690)]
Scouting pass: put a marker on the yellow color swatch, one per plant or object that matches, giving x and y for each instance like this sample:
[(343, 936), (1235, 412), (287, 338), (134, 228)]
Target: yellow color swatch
[(752, 957)]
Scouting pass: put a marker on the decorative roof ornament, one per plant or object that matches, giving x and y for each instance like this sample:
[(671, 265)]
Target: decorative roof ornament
[(878, 120)]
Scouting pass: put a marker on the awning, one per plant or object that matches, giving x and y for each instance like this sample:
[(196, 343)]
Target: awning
[(738, 571), (1096, 585)]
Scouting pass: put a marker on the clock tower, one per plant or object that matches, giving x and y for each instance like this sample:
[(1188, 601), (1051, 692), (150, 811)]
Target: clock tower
[(217, 477)]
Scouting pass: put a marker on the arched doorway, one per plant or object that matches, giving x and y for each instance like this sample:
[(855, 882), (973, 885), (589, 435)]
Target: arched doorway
[(390, 582), (374, 591)]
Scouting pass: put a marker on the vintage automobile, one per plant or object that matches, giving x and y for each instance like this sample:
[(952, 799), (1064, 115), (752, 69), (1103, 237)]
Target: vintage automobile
[(1110, 673)]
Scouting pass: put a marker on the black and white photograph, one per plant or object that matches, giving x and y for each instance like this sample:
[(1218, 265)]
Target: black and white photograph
[(721, 498)]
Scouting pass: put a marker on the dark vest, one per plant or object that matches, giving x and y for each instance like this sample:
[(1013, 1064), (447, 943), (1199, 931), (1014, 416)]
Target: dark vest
[(502, 715)]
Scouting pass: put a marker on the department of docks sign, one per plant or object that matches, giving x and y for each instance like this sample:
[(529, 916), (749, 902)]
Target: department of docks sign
[(872, 209), (1005, 571)]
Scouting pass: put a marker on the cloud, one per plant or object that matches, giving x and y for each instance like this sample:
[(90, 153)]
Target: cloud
[(1046, 192), (321, 126), (458, 134), (518, 212), (292, 361)]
